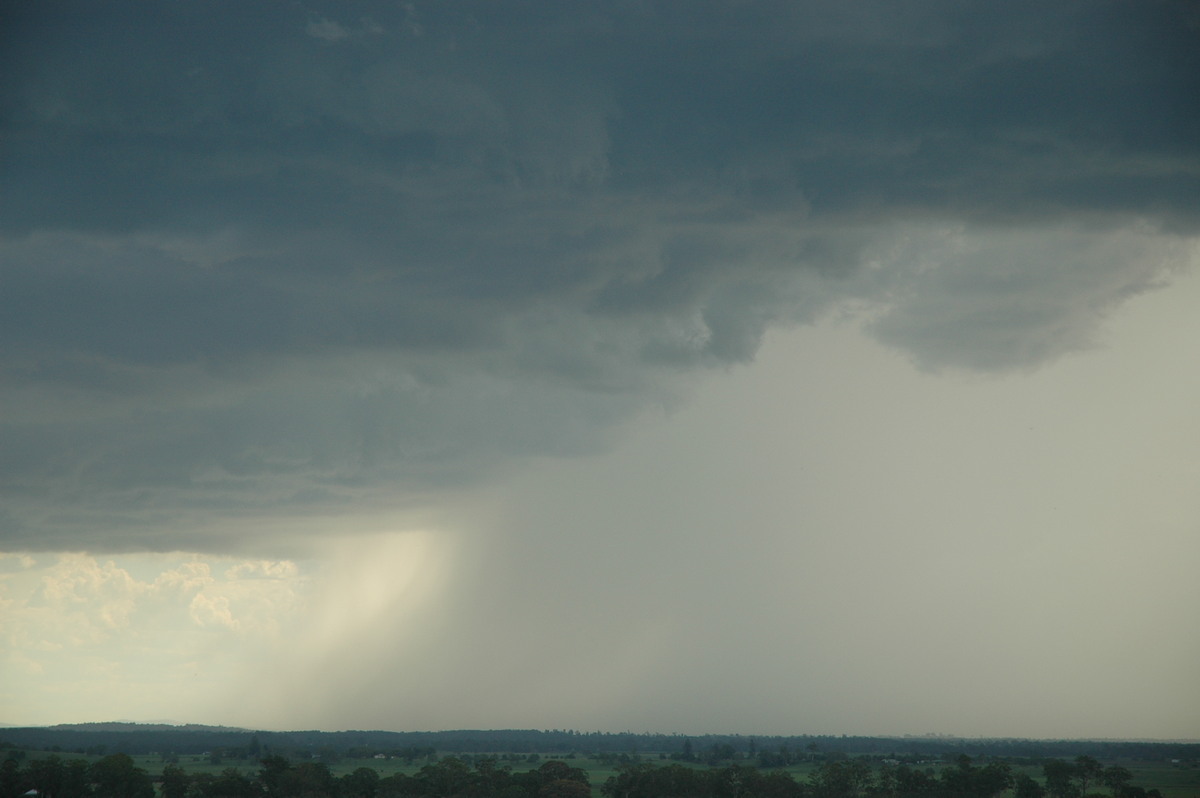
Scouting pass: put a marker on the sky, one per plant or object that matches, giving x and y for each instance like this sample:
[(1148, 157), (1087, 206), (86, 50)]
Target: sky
[(702, 367)]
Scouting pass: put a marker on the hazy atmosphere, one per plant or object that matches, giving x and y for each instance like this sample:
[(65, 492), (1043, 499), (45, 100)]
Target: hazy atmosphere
[(759, 367)]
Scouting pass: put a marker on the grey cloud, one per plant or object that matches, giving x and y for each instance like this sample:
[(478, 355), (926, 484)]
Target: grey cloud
[(929, 114), (995, 300), (519, 223)]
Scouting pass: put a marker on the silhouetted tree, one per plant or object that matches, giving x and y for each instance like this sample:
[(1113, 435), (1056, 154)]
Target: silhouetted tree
[(77, 781), (914, 783), (270, 776), (564, 788), (398, 785), (779, 784), (308, 779), (13, 780), (362, 783), (846, 778), (231, 784), (47, 776), (115, 776), (1025, 787), (1060, 779), (1116, 778), (1087, 771), (175, 782), (446, 778)]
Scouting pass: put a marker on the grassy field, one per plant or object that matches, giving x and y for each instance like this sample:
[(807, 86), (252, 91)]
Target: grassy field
[(1172, 781)]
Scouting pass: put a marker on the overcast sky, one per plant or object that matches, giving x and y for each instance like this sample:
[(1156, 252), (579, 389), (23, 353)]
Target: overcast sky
[(760, 367)]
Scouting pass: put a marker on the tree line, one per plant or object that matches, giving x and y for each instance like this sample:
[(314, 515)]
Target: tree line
[(116, 776), (242, 743), (856, 778)]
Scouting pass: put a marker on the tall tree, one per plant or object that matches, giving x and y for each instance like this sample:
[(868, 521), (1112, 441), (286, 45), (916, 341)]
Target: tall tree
[(1060, 779), (116, 777), (231, 784), (1087, 771), (362, 783), (1025, 787), (47, 776), (175, 782), (271, 775), (1116, 778), (13, 781), (847, 778)]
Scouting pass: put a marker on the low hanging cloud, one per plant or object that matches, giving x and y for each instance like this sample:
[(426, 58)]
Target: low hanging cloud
[(292, 260), (997, 299)]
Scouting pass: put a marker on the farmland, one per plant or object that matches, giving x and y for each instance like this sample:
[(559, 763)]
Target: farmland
[(245, 764)]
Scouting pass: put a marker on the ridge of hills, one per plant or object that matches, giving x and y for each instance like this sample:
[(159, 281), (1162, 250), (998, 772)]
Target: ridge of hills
[(163, 737), (135, 726)]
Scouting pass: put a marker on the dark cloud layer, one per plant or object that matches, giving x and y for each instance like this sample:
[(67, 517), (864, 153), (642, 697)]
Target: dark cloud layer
[(277, 256)]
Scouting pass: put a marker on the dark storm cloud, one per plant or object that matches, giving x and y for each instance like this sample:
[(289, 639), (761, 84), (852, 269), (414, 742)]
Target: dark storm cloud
[(277, 255)]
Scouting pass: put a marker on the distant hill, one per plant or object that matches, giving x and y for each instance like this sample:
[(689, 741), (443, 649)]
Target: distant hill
[(237, 743), (133, 726)]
